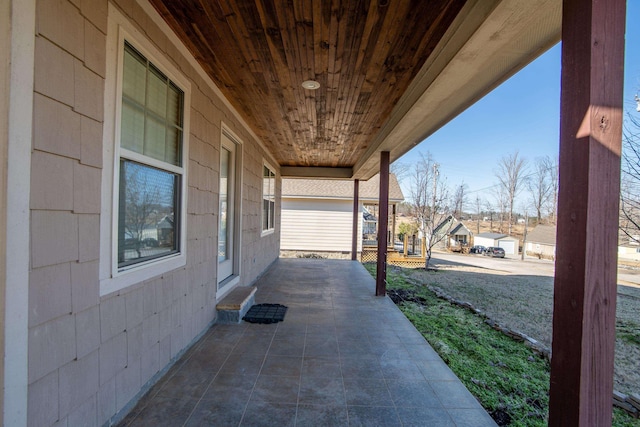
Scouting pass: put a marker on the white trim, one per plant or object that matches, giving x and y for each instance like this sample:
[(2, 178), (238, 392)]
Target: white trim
[(158, 164), (232, 281), (225, 265), (272, 230), (111, 279), (225, 129), (227, 286), (173, 38), (16, 346)]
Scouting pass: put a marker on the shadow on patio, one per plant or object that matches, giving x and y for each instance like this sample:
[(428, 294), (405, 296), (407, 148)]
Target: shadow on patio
[(341, 357)]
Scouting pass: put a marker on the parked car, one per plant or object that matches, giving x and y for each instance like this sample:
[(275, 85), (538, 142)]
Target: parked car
[(131, 243), (495, 252), (150, 242), (477, 249)]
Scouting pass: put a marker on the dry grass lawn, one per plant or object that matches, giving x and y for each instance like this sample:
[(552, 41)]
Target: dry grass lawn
[(525, 304)]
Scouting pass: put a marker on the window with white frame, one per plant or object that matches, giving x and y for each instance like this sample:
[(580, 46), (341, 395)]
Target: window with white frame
[(150, 165), (268, 198)]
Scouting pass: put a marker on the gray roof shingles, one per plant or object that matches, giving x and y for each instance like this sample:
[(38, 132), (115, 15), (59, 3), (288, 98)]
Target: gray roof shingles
[(544, 234), (492, 235), (339, 189)]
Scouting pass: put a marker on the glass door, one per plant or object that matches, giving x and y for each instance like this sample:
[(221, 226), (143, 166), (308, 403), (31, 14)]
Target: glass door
[(226, 209)]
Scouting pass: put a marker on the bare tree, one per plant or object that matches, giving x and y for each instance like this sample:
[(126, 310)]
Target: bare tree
[(553, 199), (143, 203), (429, 196), (458, 200), (510, 174), (502, 202), (630, 185), (401, 170), (539, 184), (489, 208)]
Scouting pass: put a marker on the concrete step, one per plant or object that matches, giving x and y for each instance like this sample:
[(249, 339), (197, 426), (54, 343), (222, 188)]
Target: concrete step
[(232, 308)]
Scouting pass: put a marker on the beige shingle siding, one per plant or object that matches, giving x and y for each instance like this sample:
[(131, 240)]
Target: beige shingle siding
[(89, 355)]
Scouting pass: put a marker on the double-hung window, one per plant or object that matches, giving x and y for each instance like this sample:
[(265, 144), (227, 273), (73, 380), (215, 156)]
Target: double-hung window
[(268, 199), (150, 165)]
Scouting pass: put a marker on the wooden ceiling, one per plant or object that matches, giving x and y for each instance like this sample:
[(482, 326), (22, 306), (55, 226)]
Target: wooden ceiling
[(364, 54)]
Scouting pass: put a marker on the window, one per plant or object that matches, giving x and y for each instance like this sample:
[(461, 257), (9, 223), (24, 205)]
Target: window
[(150, 163), (144, 159), (268, 198)]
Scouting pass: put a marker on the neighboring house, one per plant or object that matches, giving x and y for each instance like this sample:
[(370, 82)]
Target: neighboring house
[(452, 234), (628, 252), (317, 215), (541, 242), (504, 241), (369, 222), (628, 247)]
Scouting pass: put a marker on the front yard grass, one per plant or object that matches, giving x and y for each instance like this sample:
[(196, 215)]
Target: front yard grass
[(508, 379)]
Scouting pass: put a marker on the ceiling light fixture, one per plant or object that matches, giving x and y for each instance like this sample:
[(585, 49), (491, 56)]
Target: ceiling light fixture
[(310, 84)]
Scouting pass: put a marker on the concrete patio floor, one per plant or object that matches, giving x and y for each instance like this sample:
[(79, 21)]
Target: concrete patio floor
[(341, 357)]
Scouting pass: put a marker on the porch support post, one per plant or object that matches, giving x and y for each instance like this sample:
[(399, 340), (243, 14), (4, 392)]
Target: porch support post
[(383, 225), (356, 204), (587, 237)]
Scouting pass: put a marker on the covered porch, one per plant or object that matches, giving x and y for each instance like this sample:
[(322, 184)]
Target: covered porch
[(341, 357), (248, 93)]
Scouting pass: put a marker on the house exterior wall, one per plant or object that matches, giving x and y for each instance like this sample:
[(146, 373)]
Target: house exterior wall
[(446, 243), (324, 225), (484, 241), (628, 253), (541, 250), (91, 352)]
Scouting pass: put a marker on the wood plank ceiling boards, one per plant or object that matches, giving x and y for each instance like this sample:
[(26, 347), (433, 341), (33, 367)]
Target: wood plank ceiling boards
[(363, 53), (379, 63)]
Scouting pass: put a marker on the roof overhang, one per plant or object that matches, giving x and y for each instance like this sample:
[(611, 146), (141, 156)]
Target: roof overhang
[(391, 73), (487, 43)]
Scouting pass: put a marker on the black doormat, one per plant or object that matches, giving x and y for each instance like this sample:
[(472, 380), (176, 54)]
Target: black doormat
[(265, 313)]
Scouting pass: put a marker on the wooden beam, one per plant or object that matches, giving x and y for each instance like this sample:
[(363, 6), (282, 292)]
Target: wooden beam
[(586, 260), (315, 172), (356, 204), (383, 225)]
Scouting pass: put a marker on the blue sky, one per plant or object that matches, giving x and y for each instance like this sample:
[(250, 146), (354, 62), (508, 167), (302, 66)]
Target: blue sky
[(521, 114)]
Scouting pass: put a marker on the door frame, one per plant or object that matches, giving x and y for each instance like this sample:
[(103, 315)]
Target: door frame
[(226, 284)]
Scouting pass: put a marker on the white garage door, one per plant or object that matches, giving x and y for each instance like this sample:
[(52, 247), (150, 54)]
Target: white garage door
[(509, 246)]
